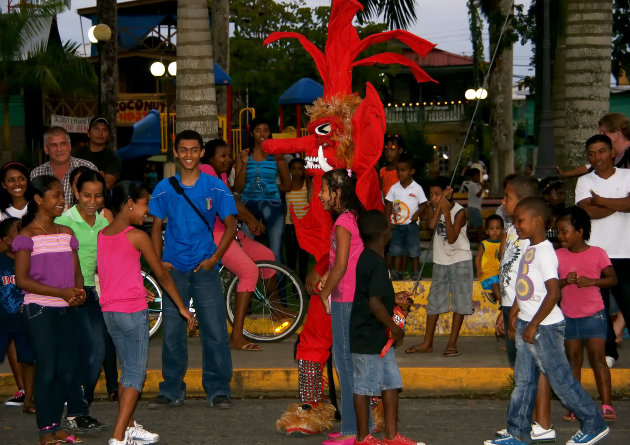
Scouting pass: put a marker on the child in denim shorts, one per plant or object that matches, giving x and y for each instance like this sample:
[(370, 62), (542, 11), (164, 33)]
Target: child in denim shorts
[(538, 327), (451, 288), (371, 317)]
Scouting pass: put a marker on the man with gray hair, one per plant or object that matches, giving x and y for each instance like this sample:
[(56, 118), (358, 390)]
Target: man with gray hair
[(60, 164)]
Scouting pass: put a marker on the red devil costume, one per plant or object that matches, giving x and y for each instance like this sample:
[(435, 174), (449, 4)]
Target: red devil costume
[(345, 131)]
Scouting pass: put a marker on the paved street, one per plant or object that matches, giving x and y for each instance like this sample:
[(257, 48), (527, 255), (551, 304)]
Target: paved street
[(250, 421)]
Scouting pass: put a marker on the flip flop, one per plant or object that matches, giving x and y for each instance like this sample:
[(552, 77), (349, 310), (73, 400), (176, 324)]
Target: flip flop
[(413, 349), (450, 352), (608, 413), (569, 416), (248, 347)]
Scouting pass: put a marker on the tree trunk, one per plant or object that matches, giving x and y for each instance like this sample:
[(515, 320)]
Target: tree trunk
[(108, 53), (7, 153), (587, 73), (221, 46), (196, 96), (500, 96)]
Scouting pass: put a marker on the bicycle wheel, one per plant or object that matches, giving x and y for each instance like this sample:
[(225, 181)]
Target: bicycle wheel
[(277, 307), (155, 307)]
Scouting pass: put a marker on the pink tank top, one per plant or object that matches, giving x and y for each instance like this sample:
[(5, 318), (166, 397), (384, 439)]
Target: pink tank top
[(118, 264)]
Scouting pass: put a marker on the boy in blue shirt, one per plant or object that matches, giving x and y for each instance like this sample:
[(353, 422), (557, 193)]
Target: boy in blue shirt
[(191, 256)]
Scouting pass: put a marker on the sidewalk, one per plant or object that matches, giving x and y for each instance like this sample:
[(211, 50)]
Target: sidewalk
[(481, 368)]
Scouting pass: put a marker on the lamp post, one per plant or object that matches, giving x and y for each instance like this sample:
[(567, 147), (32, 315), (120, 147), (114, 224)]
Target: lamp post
[(98, 34), (478, 94), (546, 150)]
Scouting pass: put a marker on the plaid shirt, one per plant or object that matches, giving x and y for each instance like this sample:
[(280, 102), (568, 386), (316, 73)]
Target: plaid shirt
[(46, 169)]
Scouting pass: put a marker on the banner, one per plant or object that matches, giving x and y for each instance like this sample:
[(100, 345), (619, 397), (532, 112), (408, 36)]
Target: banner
[(71, 124)]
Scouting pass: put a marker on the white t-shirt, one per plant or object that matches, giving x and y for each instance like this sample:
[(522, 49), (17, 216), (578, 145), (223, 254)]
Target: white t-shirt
[(474, 201), (538, 264), (508, 269), (609, 233), (445, 253), (405, 201), (13, 212)]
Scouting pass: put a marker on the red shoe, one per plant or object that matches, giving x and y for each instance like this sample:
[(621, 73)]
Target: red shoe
[(369, 440), (400, 440)]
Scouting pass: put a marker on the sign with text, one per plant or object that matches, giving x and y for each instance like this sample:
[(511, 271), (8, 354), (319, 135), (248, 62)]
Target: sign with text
[(133, 109), (71, 124)]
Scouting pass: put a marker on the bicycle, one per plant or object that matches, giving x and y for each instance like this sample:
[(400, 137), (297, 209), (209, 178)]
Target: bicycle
[(276, 310)]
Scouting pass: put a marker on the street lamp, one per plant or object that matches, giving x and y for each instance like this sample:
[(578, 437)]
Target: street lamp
[(157, 69), (98, 34), (478, 94)]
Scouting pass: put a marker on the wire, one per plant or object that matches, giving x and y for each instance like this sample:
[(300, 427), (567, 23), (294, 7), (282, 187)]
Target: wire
[(472, 120)]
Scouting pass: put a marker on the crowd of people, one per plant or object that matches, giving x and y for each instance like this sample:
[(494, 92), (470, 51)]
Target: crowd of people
[(553, 270)]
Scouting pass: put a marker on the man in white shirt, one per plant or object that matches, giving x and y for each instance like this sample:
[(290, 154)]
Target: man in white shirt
[(605, 195)]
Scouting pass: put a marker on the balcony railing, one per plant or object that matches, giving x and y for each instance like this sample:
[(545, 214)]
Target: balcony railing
[(425, 114)]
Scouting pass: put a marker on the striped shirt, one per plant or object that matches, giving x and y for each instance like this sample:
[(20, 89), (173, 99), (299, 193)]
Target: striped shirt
[(46, 169), (260, 180), (299, 200), (52, 264)]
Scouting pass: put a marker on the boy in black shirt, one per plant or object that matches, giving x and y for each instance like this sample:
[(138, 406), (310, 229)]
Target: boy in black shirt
[(371, 316)]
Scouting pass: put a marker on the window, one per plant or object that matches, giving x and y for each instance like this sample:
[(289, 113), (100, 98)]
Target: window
[(443, 153)]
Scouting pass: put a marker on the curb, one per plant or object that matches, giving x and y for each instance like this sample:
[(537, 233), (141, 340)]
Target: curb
[(417, 382)]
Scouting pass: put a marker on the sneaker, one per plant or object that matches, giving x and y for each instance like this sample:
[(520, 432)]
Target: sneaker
[(394, 275), (400, 440), (610, 361), (369, 440), (221, 402), (164, 402), (415, 275), (588, 439), (540, 434), (140, 435), (82, 424), (126, 441), (501, 432), (508, 439), (16, 400)]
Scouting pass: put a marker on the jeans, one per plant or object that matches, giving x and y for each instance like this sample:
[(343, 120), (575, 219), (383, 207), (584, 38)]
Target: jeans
[(340, 318), (510, 345), (272, 215), (55, 333), (130, 333), (110, 366), (204, 287), (91, 354), (547, 355)]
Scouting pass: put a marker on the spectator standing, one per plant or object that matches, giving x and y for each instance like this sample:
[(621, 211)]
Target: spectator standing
[(487, 258), (99, 153), (14, 193), (475, 196), (387, 175), (60, 164), (404, 204), (605, 195), (451, 289), (256, 182), (191, 256)]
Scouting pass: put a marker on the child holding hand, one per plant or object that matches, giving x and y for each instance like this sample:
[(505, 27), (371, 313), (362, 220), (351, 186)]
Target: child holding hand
[(371, 317)]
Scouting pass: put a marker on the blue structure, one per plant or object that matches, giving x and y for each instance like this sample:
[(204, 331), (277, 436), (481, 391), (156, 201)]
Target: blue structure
[(146, 139), (304, 91)]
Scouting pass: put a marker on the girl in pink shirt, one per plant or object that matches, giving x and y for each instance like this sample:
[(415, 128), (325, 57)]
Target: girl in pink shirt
[(584, 270), (338, 195), (124, 301)]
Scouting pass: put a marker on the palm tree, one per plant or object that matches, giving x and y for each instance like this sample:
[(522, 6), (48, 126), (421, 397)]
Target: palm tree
[(107, 12), (398, 14), (18, 27), (196, 95), (587, 49)]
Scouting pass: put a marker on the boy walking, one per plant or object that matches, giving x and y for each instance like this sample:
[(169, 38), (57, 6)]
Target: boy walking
[(540, 336), (191, 255), (371, 317), (451, 289), (404, 203)]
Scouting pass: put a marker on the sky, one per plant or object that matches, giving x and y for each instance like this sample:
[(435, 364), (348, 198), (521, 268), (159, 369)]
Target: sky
[(444, 22)]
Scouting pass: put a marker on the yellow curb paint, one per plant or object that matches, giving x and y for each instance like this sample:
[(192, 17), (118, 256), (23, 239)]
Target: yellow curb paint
[(480, 323), (282, 382)]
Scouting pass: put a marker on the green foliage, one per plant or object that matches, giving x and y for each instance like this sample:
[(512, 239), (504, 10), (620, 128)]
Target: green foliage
[(264, 73), (621, 38), (398, 14), (476, 24)]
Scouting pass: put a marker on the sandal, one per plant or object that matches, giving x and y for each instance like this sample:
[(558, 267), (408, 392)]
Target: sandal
[(29, 409), (569, 416), (69, 438), (450, 352), (608, 413)]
